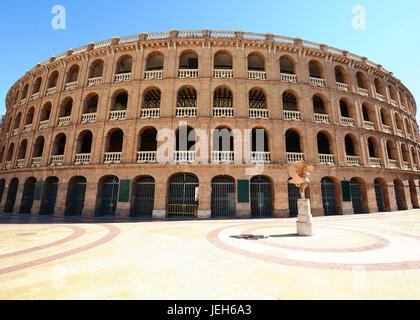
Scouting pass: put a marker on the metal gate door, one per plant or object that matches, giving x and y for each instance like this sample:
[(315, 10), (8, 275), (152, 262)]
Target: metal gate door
[(27, 197), (379, 197), (144, 197), (294, 195), (11, 196), (261, 199), (181, 200), (222, 197), (49, 197), (109, 196), (2, 184), (76, 198), (356, 196), (328, 197), (397, 189)]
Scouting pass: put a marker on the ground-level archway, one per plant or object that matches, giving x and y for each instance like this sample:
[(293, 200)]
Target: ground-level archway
[(143, 197), (75, 196), (182, 193), (261, 197), (222, 197)]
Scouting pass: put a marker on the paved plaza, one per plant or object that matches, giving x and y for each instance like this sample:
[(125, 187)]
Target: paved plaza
[(375, 256)]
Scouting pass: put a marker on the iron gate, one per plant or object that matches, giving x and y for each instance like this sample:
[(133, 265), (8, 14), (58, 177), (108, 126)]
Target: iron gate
[(2, 184), (222, 197), (76, 197), (261, 198), (11, 195), (109, 196), (356, 196), (379, 197), (181, 200), (328, 197), (397, 189), (28, 196), (294, 195), (49, 196), (144, 197)]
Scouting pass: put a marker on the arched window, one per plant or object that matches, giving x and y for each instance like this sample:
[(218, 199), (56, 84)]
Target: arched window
[(222, 61), (286, 65), (96, 70), (147, 146), (222, 103), (349, 146), (37, 86), (222, 148), (315, 69), (289, 101), (59, 144), (340, 75), (323, 144), (186, 105), (52, 81), (154, 66), (361, 80), (318, 104), (124, 65), (38, 147), (255, 62), (73, 74)]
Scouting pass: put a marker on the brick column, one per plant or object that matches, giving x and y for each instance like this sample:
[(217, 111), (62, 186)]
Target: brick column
[(90, 199), (60, 203), (391, 196), (159, 210), (315, 192), (407, 195), (204, 197), (372, 205), (281, 199)]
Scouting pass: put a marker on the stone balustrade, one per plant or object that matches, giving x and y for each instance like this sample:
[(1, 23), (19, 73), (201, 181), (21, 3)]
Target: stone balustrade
[(88, 117), (400, 133), (257, 75), (117, 115), (57, 160), (122, 77), (27, 128), (392, 163), (317, 82), (348, 122), (112, 157), (260, 157), (342, 86), (375, 162), (63, 121), (368, 125), (386, 129), (380, 97), (8, 165), (15, 132), (363, 92), (326, 159), (70, 86), (393, 102), (154, 74), (255, 113), (222, 157), (284, 77), (406, 165), (294, 157), (43, 124), (353, 161), (190, 112), (220, 112), (51, 91), (223, 73), (20, 163), (187, 73), (150, 113), (292, 115), (82, 158), (22, 102), (35, 96), (146, 156), (36, 162), (184, 156), (322, 118), (94, 81)]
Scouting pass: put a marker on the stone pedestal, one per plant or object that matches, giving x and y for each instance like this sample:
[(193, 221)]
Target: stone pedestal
[(304, 221)]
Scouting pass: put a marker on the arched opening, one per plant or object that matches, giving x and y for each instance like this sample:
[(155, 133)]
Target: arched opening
[(222, 148), (49, 196), (261, 197), (143, 197), (222, 61), (188, 60), (10, 152), (107, 195), (124, 65), (27, 196), (413, 194), (393, 94), (185, 144), (72, 74), (260, 152), (37, 85), (318, 104), (22, 150), (66, 107), (38, 147), (147, 146), (361, 80), (91, 104), (114, 141), (151, 99), (182, 196), (45, 112), (287, 65), (381, 193), (96, 69), (323, 143), (379, 86), (255, 62), (222, 103), (2, 185), (75, 196), (340, 75), (11, 195), (391, 151), (292, 141), (187, 98), (120, 101), (59, 144), (289, 101), (223, 197), (257, 99), (315, 69), (329, 201), (29, 116), (84, 142), (385, 117), (356, 195), (52, 81), (399, 123), (293, 193), (400, 195), (365, 113), (17, 121), (155, 62), (349, 146), (25, 91), (371, 147), (344, 109)]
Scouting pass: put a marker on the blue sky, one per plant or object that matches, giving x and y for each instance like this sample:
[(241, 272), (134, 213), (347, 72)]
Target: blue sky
[(390, 38)]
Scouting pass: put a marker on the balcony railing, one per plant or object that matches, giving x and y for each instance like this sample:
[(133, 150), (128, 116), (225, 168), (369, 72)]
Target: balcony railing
[(406, 165), (88, 117), (188, 73), (184, 156), (150, 113), (219, 112), (294, 156), (20, 163), (122, 77), (317, 82), (117, 115), (257, 75), (393, 102), (284, 77), (223, 73), (15, 132), (349, 122), (94, 81), (386, 129), (35, 96), (291, 115), (51, 91), (155, 74), (363, 92), (43, 124), (63, 121), (8, 165), (57, 160), (70, 86), (27, 128), (112, 157), (322, 118), (255, 113), (36, 162), (392, 163), (222, 156), (368, 125), (260, 157), (400, 133), (146, 157), (380, 97), (342, 86), (82, 158), (326, 159), (375, 162), (190, 112), (22, 102), (353, 161)]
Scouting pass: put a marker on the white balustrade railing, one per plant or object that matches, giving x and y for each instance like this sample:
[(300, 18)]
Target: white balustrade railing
[(223, 73), (409, 136), (322, 118), (406, 165), (15, 132), (222, 156), (386, 129), (188, 73), (27, 128), (363, 92), (392, 163), (70, 86), (186, 112), (255, 113), (415, 167), (375, 162), (35, 96), (393, 102), (349, 122), (184, 156), (353, 161), (154, 74), (8, 165), (112, 157), (43, 124), (291, 115), (94, 81), (342, 86), (88, 117), (317, 82), (122, 77), (20, 163), (257, 75), (294, 157), (51, 91), (57, 160), (326, 159), (82, 158), (117, 115), (150, 113), (284, 77), (220, 112), (400, 133), (63, 121), (36, 162), (260, 157), (22, 102), (380, 97), (368, 125), (146, 157)]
